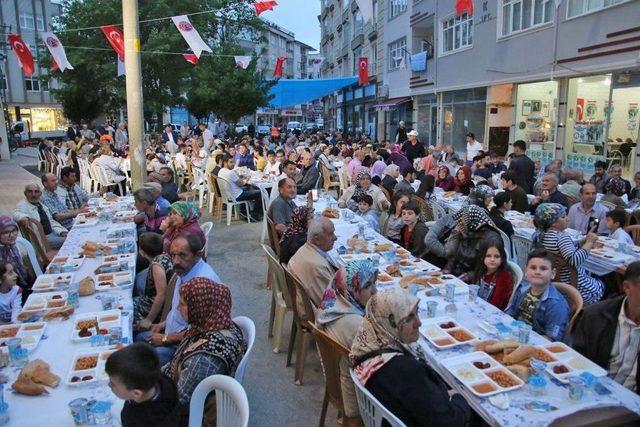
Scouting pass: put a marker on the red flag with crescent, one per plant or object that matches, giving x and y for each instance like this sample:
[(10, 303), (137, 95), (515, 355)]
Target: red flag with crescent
[(279, 70), (23, 53), (116, 39), (263, 6), (363, 71), (463, 6), (191, 58)]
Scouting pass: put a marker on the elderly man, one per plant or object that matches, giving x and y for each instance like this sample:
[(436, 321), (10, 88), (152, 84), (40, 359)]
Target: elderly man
[(401, 133), (550, 193), (240, 188), (412, 148), (186, 253), (282, 206), (122, 137), (312, 263), (32, 208), (310, 174), (616, 172), (607, 332), (582, 215), (151, 214), (57, 207), (448, 154), (573, 184)]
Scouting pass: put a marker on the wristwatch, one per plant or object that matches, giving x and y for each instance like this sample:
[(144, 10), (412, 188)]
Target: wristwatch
[(164, 339)]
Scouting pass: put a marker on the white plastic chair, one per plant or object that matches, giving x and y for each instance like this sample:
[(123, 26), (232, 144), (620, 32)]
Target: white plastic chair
[(507, 244), (231, 202), (41, 161), (249, 334), (206, 230), (31, 252), (232, 404), (199, 185), (265, 207), (371, 410), (517, 279), (521, 248), (101, 175), (436, 210)]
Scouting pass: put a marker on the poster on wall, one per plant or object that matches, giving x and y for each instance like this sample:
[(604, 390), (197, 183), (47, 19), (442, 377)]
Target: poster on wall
[(526, 107), (579, 109), (545, 108), (608, 111), (592, 109), (632, 117), (536, 106)]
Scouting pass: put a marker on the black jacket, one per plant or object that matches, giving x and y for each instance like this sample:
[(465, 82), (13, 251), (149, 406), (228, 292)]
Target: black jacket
[(416, 245), (389, 183), (595, 331), (164, 411), (414, 393), (310, 176), (524, 169), (413, 151)]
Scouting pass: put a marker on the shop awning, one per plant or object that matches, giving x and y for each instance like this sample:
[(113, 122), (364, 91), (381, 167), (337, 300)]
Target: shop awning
[(290, 92), (392, 103)]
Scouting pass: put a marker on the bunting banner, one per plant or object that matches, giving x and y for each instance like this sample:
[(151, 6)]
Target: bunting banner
[(120, 62), (363, 71), (463, 6), (366, 9), (242, 61), (316, 64), (116, 39), (25, 58), (57, 50), (264, 5), (279, 70), (191, 58), (191, 35)]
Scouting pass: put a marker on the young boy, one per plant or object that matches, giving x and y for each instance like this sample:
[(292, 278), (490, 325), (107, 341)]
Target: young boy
[(614, 220), (537, 302), (151, 398), (364, 210)]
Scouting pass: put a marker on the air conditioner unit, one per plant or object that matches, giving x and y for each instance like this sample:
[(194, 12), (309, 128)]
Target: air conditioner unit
[(383, 91)]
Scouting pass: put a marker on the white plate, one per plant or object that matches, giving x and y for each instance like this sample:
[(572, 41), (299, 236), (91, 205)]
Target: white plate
[(31, 334), (83, 221), (434, 333), (120, 280), (38, 303), (51, 282), (96, 373), (73, 261), (574, 361), (104, 319)]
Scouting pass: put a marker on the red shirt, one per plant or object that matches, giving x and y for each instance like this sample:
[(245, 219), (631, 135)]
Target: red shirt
[(502, 289)]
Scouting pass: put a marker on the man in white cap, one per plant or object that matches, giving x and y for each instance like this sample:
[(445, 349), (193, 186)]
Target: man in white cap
[(413, 148)]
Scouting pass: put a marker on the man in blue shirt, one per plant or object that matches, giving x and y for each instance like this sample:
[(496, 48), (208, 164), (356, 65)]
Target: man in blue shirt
[(186, 253), (245, 158), (58, 208)]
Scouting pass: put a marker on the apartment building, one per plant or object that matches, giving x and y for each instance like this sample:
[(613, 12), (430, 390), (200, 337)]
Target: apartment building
[(28, 98), (565, 79)]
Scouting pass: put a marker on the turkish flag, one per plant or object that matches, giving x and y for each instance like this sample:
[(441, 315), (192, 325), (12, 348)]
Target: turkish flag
[(54, 65), (116, 39), (191, 58), (263, 6), (579, 109), (363, 71), (463, 6), (23, 53), (279, 70)]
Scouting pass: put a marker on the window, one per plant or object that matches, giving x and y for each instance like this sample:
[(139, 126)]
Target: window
[(26, 21), (346, 34), (357, 53), (520, 15), (44, 85), (396, 7), (457, 33), (580, 7), (357, 23), (397, 52), (3, 82), (32, 84), (373, 59), (375, 12), (40, 23)]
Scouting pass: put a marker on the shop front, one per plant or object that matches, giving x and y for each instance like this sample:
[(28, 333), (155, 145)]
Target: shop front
[(603, 120), (49, 121), (358, 101), (427, 118), (395, 110), (463, 111)]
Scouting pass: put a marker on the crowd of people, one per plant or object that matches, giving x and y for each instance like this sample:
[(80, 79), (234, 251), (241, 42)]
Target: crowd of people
[(182, 311)]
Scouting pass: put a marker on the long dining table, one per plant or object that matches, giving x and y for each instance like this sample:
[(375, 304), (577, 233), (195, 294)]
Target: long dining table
[(57, 346), (518, 407)]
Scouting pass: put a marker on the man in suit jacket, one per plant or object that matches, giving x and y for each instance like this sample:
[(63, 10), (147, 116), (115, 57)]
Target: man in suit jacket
[(312, 263), (73, 132), (170, 138), (608, 332)]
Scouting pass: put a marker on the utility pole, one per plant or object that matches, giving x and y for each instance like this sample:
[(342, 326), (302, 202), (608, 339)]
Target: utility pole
[(133, 71)]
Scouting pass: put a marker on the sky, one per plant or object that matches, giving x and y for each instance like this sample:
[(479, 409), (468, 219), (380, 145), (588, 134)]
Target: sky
[(299, 16)]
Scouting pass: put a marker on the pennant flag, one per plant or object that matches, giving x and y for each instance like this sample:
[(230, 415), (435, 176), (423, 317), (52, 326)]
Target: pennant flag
[(191, 58), (366, 9), (57, 50), (363, 71), (316, 64), (23, 53), (54, 65), (116, 39), (190, 34), (279, 70), (463, 6), (242, 61), (264, 5), (120, 66)]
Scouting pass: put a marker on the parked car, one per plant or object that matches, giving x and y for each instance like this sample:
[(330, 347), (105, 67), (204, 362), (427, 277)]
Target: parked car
[(263, 130), (291, 126), (241, 128)]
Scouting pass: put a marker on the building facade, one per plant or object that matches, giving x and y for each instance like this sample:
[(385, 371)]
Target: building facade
[(28, 99), (565, 79)]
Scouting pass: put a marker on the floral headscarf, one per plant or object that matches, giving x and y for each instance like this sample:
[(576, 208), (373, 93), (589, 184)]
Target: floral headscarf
[(379, 331), (473, 217), (446, 169), (359, 191), (339, 298), (187, 210), (11, 253), (547, 214), (478, 194), (299, 221), (615, 186), (392, 170)]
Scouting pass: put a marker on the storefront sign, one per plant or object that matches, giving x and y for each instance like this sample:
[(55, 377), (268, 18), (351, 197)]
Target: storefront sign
[(582, 161), (273, 111), (291, 112)]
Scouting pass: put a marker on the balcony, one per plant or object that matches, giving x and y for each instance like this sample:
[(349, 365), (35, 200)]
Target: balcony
[(357, 41)]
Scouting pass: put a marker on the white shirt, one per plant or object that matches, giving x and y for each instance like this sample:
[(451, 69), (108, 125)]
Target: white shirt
[(622, 236), (232, 177), (272, 168), (10, 305), (207, 138), (472, 150), (623, 364), (180, 161)]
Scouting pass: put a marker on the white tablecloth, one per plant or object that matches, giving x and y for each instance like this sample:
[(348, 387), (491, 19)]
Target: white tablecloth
[(58, 350)]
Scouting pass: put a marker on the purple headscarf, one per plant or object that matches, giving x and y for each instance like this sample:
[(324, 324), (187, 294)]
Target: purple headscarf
[(11, 253)]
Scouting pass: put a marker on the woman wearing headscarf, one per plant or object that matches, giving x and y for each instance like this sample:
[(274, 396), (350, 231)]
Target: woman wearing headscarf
[(212, 345), (463, 245), (378, 171), (390, 178), (392, 368), (463, 180), (183, 217), (296, 234), (11, 252), (481, 196), (351, 195), (398, 158), (614, 188), (550, 220), (429, 165), (340, 315), (445, 180)]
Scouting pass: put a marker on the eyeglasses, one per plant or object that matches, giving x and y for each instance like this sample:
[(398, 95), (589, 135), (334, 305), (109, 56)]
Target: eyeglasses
[(8, 232)]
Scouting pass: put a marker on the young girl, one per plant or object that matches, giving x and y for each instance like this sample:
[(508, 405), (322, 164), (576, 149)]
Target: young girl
[(414, 230), (10, 294), (364, 210), (392, 225), (492, 274)]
